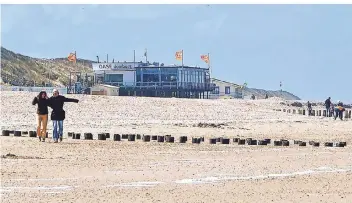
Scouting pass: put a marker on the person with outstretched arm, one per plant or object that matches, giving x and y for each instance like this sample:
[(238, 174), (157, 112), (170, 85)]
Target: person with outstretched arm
[(42, 112), (56, 102)]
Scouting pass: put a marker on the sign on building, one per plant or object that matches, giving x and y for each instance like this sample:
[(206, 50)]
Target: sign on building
[(114, 66)]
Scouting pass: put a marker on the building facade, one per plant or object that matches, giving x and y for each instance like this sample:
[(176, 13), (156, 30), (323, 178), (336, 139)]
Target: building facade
[(107, 90), (155, 80), (225, 89)]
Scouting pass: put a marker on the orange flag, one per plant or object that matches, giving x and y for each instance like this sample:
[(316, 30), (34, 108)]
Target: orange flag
[(179, 55), (205, 58), (72, 57)]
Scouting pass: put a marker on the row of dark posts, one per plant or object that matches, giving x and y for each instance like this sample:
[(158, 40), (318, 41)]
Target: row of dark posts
[(182, 139), (221, 140), (17, 133), (347, 113)]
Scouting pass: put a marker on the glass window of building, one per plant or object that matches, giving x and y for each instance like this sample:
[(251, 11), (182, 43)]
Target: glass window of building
[(227, 90), (150, 78), (216, 90), (202, 77), (138, 76), (192, 75), (196, 76), (114, 78), (150, 70), (169, 75)]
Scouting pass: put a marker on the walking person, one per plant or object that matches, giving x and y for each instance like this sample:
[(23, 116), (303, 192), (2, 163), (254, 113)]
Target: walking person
[(56, 102), (332, 114), (309, 108), (42, 112), (339, 109), (327, 106)]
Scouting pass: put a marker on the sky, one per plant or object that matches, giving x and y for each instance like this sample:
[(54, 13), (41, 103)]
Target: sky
[(307, 47)]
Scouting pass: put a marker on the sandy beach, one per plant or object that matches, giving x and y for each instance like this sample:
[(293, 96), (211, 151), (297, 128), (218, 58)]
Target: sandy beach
[(108, 171)]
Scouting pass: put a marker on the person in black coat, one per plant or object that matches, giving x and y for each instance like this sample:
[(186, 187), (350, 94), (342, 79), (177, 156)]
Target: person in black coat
[(42, 112), (309, 109), (327, 106), (56, 102)]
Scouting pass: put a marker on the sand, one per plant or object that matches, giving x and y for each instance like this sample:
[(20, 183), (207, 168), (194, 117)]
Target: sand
[(108, 171)]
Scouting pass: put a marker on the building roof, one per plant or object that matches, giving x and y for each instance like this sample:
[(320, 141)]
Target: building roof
[(230, 83), (171, 66)]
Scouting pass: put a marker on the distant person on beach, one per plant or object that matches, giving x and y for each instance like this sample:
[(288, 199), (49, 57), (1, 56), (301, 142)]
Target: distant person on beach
[(42, 112), (339, 109), (56, 102), (327, 106), (309, 108), (332, 110)]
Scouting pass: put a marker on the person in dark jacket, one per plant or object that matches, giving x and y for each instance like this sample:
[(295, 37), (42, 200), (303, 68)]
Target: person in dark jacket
[(327, 106), (42, 112), (309, 108), (56, 102)]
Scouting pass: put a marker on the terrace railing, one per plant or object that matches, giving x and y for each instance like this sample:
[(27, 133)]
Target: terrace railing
[(165, 85)]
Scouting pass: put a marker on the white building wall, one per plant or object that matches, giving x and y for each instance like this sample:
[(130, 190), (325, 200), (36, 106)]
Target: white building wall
[(128, 76), (235, 91)]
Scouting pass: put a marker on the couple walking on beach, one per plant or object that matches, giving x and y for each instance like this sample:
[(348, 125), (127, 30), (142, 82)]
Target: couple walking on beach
[(56, 102), (331, 110)]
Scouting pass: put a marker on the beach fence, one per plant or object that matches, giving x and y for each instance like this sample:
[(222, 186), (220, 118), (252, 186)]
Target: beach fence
[(347, 114), (62, 90)]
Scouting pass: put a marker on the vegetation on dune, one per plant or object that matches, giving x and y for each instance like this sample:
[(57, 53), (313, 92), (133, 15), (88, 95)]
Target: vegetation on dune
[(17, 69)]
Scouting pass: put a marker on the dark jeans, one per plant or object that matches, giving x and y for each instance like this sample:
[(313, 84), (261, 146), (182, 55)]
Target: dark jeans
[(309, 111), (338, 113), (328, 113)]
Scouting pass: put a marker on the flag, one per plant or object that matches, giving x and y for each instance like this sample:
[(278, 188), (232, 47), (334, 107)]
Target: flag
[(179, 55), (145, 53), (72, 57), (244, 85), (205, 58)]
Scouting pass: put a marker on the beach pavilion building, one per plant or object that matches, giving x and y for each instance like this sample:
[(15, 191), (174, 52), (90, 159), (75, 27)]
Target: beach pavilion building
[(155, 80)]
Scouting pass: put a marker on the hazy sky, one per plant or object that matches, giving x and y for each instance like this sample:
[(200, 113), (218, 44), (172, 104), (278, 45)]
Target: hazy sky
[(307, 47)]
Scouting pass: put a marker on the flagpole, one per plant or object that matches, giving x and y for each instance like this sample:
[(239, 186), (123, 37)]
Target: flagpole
[(134, 58), (182, 64), (209, 63), (134, 66), (76, 65), (146, 56)]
